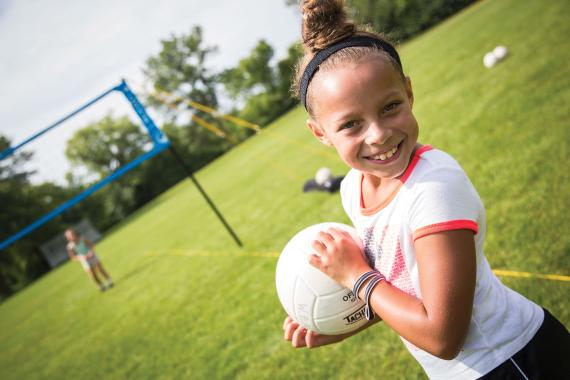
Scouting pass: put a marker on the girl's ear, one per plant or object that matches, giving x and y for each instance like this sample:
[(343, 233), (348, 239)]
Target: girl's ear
[(409, 91), (318, 132)]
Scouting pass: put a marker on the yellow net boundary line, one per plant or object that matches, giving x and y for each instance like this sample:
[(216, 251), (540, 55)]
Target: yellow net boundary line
[(163, 95), (510, 273), (201, 122), (215, 113), (212, 128), (205, 253)]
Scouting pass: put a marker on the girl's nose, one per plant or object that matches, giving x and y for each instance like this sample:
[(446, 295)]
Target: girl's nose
[(376, 134)]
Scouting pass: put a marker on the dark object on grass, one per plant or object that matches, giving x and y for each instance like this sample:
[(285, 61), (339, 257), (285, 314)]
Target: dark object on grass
[(331, 185)]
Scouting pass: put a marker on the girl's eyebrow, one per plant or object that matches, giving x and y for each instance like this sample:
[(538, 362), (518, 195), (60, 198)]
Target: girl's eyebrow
[(344, 117)]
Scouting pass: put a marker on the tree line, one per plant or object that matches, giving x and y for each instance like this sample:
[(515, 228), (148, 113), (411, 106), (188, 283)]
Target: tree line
[(257, 86)]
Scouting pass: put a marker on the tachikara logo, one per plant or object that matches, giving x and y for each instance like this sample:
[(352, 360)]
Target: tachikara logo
[(355, 317)]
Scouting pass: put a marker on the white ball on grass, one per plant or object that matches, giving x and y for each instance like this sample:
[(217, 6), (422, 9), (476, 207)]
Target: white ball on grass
[(489, 60), (500, 52), (323, 175)]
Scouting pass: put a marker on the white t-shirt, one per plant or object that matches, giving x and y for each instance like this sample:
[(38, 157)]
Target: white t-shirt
[(436, 196)]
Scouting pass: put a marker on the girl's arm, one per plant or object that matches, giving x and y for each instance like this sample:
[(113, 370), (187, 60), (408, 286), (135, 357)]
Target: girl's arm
[(438, 323), (71, 255), (91, 247)]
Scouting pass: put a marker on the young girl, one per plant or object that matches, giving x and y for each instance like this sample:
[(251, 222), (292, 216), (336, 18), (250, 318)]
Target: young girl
[(81, 249), (420, 218)]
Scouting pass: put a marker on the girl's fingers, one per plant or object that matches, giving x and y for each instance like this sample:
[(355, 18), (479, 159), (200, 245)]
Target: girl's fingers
[(286, 322), (298, 339), (325, 237), (310, 339), (337, 233), (298, 335), (319, 246), (315, 260), (290, 330)]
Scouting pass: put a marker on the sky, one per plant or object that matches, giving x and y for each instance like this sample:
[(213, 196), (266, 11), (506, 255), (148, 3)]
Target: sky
[(58, 54)]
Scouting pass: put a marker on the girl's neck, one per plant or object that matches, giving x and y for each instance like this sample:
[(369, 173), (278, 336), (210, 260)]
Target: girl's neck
[(378, 182), (377, 190)]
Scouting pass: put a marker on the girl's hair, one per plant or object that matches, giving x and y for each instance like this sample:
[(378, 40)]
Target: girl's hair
[(326, 22)]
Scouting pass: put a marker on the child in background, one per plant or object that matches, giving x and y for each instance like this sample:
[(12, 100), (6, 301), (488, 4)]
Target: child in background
[(82, 250), (420, 218)]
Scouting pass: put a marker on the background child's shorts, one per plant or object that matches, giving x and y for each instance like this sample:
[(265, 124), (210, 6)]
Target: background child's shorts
[(88, 262)]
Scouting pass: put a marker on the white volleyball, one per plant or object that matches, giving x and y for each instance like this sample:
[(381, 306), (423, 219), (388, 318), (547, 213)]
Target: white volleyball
[(310, 297)]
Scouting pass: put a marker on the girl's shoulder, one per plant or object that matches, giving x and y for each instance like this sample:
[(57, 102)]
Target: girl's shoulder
[(430, 158), (431, 163)]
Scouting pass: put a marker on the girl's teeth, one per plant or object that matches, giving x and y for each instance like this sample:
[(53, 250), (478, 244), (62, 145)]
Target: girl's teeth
[(384, 156)]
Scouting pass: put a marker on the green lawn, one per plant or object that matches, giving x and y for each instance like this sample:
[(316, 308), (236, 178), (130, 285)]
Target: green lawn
[(188, 304)]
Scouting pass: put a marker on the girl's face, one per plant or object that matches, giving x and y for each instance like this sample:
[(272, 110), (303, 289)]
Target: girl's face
[(70, 236), (364, 110)]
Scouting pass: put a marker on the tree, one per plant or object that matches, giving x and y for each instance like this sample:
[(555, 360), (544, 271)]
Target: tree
[(262, 88), (252, 75), (180, 68), (106, 145), (285, 71), (21, 262), (103, 147), (400, 20), (12, 167)]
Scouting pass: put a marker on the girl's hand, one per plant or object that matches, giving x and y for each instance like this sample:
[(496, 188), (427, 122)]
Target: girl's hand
[(301, 337), (338, 256)]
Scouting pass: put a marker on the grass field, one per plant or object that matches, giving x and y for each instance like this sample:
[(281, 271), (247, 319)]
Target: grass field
[(188, 304)]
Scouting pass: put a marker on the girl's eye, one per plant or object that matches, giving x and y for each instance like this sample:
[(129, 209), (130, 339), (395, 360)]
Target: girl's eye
[(350, 124), (391, 106)]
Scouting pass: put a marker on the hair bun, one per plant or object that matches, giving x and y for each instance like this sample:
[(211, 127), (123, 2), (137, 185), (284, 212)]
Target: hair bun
[(325, 22)]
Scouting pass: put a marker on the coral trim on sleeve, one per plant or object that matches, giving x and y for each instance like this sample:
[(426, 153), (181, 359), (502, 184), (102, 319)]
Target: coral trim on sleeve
[(445, 226)]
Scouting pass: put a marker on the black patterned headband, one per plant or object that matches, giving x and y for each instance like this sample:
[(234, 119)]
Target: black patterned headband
[(322, 55)]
